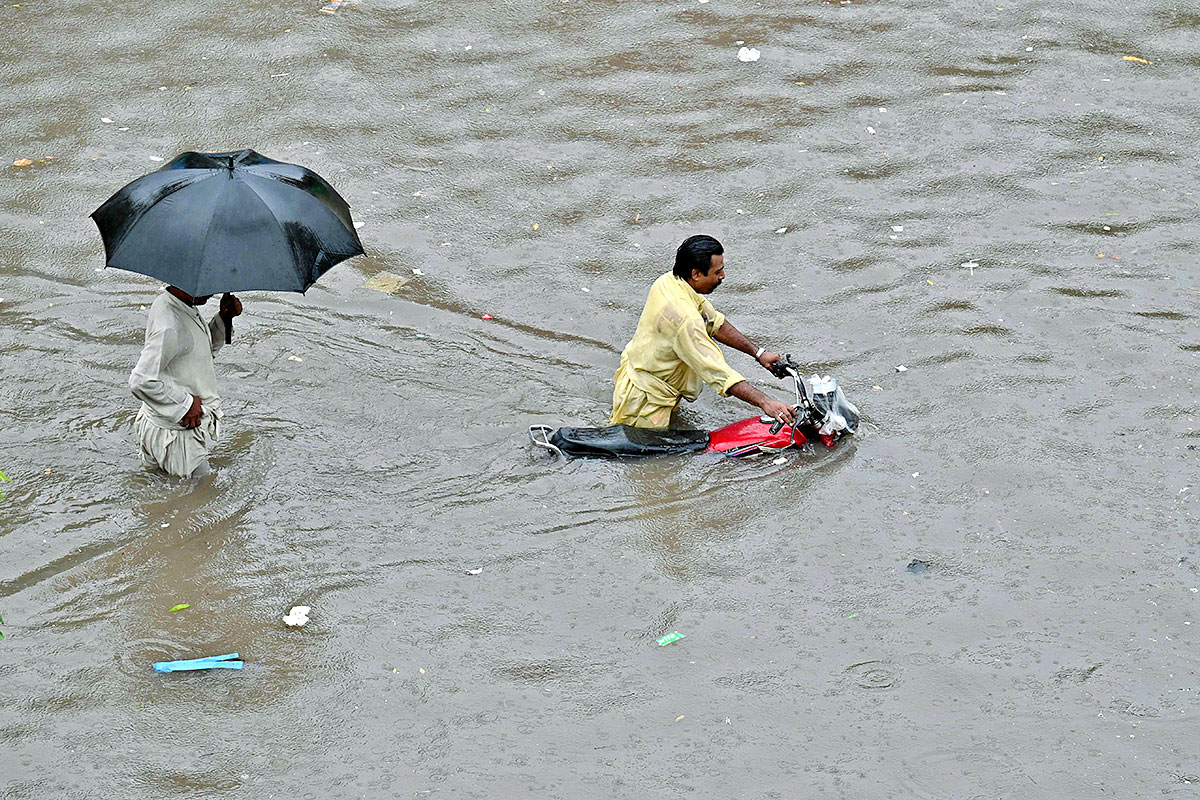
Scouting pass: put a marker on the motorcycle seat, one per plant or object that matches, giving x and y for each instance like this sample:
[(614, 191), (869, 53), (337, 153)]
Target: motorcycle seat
[(625, 441)]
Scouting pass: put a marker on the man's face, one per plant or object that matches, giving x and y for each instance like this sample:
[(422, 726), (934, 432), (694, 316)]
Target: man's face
[(704, 284)]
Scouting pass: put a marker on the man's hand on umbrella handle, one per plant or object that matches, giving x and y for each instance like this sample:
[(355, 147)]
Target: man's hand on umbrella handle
[(780, 411), (230, 306), (192, 418)]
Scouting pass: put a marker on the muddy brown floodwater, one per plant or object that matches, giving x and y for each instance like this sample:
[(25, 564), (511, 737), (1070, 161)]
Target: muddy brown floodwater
[(990, 194)]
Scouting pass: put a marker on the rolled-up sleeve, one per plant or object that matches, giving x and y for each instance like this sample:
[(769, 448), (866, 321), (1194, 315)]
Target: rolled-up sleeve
[(216, 333), (713, 319), (149, 382), (695, 347)]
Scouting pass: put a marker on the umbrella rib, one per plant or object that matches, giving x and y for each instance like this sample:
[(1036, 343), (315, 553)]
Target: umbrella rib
[(133, 220), (207, 230), (349, 226), (303, 279)]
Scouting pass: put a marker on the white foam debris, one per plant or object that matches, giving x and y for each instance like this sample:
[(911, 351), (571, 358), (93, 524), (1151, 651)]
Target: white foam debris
[(297, 617)]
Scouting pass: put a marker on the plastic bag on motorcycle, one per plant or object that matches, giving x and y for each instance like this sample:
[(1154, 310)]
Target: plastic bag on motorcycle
[(831, 412)]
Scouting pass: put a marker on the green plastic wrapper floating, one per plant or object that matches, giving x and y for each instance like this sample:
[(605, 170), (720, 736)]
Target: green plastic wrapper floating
[(673, 636)]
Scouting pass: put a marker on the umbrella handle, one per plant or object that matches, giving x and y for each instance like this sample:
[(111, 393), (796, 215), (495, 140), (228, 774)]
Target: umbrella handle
[(228, 325)]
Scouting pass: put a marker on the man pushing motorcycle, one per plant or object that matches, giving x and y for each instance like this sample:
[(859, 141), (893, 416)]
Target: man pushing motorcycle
[(673, 352)]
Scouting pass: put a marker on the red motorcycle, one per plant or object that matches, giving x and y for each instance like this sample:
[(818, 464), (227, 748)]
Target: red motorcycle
[(822, 413)]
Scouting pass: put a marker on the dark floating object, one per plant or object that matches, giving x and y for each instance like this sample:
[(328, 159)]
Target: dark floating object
[(919, 567)]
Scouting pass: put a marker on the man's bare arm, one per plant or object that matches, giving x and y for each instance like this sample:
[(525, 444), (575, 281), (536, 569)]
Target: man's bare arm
[(732, 337), (742, 390)]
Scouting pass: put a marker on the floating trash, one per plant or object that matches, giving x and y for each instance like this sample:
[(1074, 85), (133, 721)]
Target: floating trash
[(387, 282), (227, 661), (297, 617), (333, 6)]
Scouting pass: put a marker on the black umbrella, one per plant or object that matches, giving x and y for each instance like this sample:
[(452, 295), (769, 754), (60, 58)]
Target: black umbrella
[(228, 222)]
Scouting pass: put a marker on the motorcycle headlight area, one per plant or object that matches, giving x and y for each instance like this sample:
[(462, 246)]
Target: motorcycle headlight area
[(835, 413)]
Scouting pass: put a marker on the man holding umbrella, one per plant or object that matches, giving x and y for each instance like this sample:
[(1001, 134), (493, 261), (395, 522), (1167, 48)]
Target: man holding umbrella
[(179, 420), (207, 223)]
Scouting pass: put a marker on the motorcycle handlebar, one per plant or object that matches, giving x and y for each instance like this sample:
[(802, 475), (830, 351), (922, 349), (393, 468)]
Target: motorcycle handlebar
[(785, 367)]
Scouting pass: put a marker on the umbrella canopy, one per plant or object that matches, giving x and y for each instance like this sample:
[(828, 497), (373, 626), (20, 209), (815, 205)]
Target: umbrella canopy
[(227, 222)]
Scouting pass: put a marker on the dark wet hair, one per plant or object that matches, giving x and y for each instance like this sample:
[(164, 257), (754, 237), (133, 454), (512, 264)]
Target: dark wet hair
[(696, 252)]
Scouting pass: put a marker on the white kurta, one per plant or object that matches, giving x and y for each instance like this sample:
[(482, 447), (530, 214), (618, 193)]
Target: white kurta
[(177, 363)]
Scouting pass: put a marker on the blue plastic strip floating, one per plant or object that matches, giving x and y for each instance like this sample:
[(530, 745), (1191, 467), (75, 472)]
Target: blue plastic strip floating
[(227, 661)]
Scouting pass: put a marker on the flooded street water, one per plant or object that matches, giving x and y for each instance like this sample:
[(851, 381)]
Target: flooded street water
[(993, 197)]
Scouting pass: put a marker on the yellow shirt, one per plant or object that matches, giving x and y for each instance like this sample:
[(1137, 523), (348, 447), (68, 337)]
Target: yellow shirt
[(671, 355)]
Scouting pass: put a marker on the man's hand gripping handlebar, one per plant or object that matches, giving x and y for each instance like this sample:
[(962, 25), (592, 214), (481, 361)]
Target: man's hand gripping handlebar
[(786, 368)]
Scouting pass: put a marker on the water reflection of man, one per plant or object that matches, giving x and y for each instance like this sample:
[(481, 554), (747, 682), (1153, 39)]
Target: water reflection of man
[(672, 352), (179, 420)]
